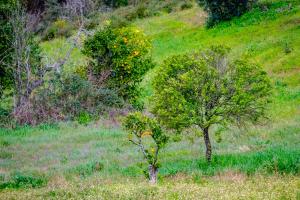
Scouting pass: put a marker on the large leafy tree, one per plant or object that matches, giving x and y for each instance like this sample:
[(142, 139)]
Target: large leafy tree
[(206, 89)]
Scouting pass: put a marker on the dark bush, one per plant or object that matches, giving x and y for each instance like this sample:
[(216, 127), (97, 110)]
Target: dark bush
[(222, 10), (5, 117), (186, 5)]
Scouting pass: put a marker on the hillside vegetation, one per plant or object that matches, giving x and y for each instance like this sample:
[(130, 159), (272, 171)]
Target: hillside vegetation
[(72, 161)]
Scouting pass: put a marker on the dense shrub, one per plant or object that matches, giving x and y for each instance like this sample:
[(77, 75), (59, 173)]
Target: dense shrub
[(222, 10), (120, 58), (67, 97)]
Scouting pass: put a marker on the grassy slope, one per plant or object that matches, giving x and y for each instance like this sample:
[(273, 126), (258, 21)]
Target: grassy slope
[(68, 154)]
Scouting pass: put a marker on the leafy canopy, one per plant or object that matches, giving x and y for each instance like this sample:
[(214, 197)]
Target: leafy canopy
[(123, 54), (140, 127), (206, 88)]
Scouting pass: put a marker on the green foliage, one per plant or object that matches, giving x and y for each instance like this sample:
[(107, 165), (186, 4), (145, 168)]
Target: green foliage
[(206, 88), (186, 5), (84, 118), (141, 127), (5, 117), (222, 10), (20, 180), (71, 97), (6, 77), (122, 55), (59, 28), (85, 170)]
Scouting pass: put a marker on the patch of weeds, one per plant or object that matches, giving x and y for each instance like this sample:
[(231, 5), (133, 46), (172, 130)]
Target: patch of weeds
[(4, 143), (2, 177), (197, 179), (5, 155), (287, 48), (84, 118), (20, 180), (64, 160), (86, 170)]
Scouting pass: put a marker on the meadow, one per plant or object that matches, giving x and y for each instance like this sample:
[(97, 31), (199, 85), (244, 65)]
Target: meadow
[(72, 161)]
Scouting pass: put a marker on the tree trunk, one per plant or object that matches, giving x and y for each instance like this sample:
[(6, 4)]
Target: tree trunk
[(207, 144), (152, 174)]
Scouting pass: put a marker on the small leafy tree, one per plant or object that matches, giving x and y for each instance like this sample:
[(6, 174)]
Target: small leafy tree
[(120, 58), (142, 128), (222, 10), (206, 89)]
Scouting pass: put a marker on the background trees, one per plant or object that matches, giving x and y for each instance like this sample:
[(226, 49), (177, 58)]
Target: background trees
[(222, 10), (206, 89), (6, 7)]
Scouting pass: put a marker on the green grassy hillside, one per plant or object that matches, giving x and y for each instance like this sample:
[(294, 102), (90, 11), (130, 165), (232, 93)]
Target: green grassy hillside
[(70, 161)]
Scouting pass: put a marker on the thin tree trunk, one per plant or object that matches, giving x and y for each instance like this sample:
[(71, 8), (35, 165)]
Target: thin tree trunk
[(152, 174), (207, 144)]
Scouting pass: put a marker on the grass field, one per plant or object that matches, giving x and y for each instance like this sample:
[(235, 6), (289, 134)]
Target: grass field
[(70, 161)]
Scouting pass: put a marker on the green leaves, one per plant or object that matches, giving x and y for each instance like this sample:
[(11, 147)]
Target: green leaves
[(124, 54), (205, 89), (140, 127)]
